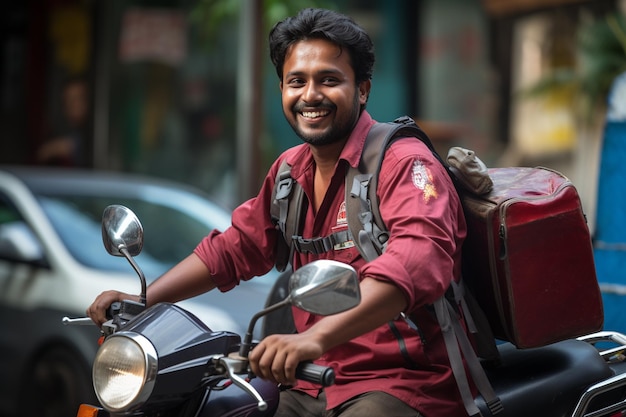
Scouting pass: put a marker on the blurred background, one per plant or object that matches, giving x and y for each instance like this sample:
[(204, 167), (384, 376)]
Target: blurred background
[(184, 90)]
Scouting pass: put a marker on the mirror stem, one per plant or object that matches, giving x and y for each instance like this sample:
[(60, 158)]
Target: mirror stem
[(142, 278), (246, 345)]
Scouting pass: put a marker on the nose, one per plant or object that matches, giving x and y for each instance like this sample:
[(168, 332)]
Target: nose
[(312, 93)]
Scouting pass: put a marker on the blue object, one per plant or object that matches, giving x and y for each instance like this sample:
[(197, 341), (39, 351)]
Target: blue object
[(610, 235)]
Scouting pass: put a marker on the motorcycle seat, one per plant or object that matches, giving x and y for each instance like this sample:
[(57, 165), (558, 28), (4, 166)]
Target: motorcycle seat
[(544, 381)]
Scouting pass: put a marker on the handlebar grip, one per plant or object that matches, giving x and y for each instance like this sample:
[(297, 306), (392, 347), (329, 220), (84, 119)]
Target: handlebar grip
[(113, 310), (317, 374)]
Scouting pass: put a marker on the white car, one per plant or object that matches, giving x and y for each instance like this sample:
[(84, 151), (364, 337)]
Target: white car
[(53, 264)]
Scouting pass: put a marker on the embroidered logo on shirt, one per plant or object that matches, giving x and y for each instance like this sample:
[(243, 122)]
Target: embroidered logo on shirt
[(342, 224), (423, 180), (342, 217)]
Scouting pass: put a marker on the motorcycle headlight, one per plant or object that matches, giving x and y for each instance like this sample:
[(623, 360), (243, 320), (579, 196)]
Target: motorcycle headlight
[(124, 371)]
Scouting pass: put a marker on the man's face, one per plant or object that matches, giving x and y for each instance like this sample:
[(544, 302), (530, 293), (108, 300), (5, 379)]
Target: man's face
[(321, 100), (76, 103)]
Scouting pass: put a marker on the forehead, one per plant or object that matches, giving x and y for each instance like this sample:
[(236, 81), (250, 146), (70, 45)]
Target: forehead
[(314, 55)]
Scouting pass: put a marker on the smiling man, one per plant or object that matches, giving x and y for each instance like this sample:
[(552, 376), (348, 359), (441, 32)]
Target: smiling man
[(383, 367)]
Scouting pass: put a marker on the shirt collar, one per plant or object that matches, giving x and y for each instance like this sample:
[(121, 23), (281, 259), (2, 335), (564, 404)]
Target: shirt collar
[(351, 153)]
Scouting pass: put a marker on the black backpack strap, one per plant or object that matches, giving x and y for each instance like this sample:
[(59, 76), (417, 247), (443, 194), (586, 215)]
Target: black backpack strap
[(287, 215), (286, 212), (361, 199), (459, 346), (322, 244), (363, 214)]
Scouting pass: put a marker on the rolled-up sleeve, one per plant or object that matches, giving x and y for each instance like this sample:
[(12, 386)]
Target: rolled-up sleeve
[(246, 249), (422, 211)]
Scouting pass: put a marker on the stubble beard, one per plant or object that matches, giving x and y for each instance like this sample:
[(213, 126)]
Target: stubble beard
[(339, 131)]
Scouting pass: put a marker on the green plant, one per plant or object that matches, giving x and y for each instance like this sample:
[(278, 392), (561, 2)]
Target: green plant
[(601, 50), (213, 15)]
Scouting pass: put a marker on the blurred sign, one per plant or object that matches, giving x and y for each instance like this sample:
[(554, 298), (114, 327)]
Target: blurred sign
[(153, 35), (70, 30), (508, 7)]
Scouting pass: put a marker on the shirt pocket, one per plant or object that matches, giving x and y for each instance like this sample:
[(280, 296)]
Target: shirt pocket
[(348, 255)]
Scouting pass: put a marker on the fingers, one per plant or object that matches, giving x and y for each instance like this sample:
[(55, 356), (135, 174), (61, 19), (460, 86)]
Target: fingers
[(97, 310), (277, 357), (261, 358)]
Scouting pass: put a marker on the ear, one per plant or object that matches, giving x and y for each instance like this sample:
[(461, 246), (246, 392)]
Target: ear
[(364, 91), (280, 85)]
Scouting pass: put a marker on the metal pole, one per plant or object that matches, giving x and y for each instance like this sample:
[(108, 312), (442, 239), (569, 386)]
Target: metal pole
[(102, 85), (248, 99)]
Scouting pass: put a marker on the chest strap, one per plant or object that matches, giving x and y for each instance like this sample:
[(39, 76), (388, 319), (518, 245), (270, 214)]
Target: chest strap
[(320, 245), (289, 204)]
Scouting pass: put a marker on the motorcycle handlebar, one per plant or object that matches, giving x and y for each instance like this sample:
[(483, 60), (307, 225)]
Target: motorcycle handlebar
[(317, 374), (113, 310)]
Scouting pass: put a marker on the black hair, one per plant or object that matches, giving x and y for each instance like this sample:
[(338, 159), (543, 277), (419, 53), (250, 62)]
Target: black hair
[(323, 24)]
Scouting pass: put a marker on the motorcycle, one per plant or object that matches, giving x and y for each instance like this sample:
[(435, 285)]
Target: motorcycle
[(164, 361), (583, 377)]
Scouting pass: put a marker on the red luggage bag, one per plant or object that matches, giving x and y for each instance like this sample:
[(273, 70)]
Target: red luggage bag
[(528, 258)]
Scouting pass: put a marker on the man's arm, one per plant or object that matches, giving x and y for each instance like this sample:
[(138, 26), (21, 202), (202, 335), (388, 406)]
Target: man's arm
[(188, 278), (277, 356)]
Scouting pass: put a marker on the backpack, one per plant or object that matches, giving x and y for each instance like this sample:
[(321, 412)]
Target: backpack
[(367, 230)]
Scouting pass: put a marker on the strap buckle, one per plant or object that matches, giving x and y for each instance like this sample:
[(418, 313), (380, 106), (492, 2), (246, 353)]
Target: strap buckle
[(315, 246), (283, 186), (321, 245)]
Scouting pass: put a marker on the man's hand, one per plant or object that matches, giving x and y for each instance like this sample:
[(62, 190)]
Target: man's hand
[(277, 356), (188, 278), (97, 310)]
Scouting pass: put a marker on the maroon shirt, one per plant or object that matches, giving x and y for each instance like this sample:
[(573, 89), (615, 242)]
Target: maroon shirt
[(424, 216)]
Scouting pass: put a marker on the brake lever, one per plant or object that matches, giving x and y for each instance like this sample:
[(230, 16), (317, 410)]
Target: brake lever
[(80, 321), (232, 366), (118, 314)]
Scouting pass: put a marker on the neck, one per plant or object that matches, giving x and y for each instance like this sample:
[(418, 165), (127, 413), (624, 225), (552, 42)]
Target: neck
[(326, 156)]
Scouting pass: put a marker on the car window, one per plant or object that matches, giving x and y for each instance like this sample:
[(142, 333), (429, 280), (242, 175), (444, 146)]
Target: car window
[(169, 234), (8, 212)]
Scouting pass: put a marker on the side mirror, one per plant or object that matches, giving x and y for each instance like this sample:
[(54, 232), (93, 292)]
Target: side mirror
[(122, 235), (121, 230), (324, 287), (321, 287)]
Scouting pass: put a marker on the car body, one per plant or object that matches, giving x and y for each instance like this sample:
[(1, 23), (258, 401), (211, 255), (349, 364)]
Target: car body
[(53, 264)]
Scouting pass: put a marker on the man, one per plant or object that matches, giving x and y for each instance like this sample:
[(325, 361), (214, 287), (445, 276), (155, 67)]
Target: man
[(324, 63)]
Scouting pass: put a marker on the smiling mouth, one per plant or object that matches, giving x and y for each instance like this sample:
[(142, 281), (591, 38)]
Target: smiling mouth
[(314, 114)]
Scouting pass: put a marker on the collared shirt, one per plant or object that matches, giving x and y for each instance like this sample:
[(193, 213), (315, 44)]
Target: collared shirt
[(423, 213)]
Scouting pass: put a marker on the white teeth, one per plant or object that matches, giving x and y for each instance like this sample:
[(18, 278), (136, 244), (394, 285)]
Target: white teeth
[(313, 114)]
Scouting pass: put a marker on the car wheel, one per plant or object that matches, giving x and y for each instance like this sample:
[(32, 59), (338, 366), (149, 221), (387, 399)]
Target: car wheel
[(57, 384)]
